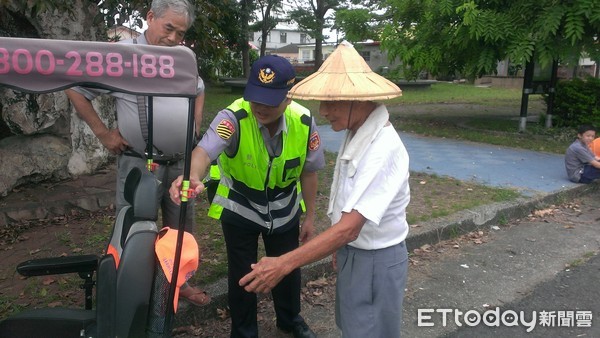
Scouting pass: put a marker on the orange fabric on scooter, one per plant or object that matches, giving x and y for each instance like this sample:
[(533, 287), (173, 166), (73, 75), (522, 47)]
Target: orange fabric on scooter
[(166, 243)]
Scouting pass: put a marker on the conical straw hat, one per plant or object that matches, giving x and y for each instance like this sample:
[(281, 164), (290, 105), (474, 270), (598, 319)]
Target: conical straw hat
[(345, 76)]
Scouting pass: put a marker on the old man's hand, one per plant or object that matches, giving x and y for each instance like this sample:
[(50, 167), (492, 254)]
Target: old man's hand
[(265, 275)]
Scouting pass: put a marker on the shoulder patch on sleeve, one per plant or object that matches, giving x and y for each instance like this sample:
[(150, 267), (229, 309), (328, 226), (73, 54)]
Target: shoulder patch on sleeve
[(225, 129), (314, 141)]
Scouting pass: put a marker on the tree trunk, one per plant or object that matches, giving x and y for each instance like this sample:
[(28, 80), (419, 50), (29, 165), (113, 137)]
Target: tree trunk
[(244, 47), (263, 42), (265, 29), (318, 52), (320, 12)]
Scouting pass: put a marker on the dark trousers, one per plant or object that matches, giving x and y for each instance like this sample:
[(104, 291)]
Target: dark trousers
[(242, 247), (590, 173)]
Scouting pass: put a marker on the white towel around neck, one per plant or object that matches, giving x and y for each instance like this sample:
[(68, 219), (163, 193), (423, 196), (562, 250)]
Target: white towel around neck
[(355, 145)]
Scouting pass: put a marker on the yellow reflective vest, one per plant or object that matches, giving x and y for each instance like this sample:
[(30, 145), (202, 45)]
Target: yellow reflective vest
[(263, 189)]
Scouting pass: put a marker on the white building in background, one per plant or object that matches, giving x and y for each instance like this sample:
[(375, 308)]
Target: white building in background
[(306, 52), (290, 52), (376, 58), (586, 67), (118, 33), (282, 35)]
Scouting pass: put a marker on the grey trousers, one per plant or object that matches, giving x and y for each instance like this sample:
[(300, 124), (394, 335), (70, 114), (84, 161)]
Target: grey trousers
[(370, 290), (166, 174)]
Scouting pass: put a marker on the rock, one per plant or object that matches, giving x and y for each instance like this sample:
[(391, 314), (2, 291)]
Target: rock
[(50, 142), (29, 114), (88, 153), (32, 159)]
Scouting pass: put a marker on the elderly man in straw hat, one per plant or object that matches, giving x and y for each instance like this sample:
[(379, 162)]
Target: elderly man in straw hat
[(367, 206)]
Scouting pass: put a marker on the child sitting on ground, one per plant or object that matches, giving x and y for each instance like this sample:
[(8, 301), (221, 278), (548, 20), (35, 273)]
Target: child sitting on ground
[(581, 163)]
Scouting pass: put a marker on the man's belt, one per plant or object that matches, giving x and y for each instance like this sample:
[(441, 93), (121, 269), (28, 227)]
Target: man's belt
[(158, 159)]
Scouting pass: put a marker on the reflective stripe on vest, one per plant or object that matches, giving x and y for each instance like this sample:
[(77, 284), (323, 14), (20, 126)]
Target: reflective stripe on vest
[(261, 189)]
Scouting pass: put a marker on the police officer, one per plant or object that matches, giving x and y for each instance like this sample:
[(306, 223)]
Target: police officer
[(268, 151)]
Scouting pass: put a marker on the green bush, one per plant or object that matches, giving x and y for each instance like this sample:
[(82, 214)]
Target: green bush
[(577, 102)]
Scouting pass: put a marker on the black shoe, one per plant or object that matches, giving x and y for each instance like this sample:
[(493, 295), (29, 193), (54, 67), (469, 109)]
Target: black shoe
[(300, 330)]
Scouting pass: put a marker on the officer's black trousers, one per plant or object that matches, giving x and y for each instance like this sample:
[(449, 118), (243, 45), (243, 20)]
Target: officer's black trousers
[(242, 246)]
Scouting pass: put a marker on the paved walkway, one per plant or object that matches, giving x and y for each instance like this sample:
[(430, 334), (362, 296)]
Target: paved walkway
[(530, 172)]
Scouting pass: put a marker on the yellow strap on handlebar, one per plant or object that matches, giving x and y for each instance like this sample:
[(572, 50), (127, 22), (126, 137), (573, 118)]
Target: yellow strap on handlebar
[(185, 190)]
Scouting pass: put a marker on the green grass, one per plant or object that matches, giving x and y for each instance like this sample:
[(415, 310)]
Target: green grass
[(216, 99), (64, 237), (97, 239), (580, 261), (219, 96), (442, 92), (589, 254), (434, 196)]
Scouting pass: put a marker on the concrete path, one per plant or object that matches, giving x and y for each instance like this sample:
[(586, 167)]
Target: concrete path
[(530, 172)]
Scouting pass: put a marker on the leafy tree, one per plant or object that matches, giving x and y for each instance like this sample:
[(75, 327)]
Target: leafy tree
[(577, 102), (357, 24), (217, 43), (361, 20), (271, 13), (311, 17), (469, 37)]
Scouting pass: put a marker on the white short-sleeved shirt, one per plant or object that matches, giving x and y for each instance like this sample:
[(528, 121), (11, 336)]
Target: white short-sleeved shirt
[(379, 190)]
